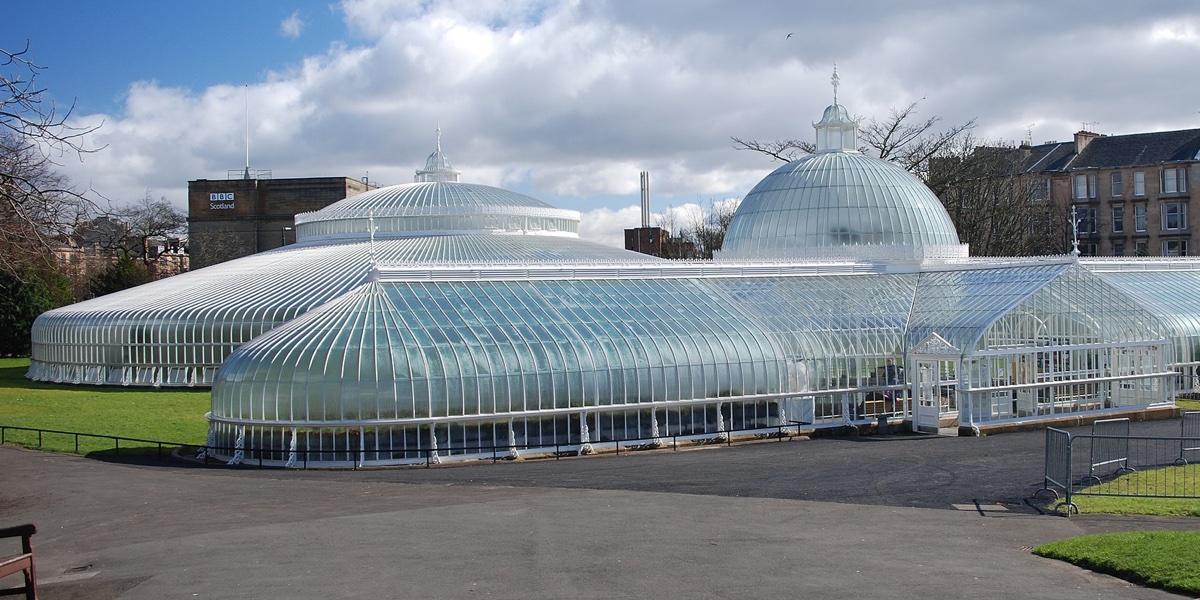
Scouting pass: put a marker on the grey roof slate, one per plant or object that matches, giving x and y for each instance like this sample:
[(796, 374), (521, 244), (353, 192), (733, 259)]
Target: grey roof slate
[(1049, 157), (1139, 149), (1115, 151)]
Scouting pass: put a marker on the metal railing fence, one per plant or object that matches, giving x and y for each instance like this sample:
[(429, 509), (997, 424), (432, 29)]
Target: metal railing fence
[(265, 457), (1111, 462)]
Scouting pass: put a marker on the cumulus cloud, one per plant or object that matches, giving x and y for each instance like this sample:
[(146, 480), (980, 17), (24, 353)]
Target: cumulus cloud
[(292, 26), (568, 101)]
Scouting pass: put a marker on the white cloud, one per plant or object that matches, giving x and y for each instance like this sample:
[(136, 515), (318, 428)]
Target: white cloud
[(292, 26), (568, 101), (607, 226)]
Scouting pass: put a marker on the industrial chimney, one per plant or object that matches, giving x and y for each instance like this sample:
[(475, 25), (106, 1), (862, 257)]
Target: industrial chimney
[(645, 198)]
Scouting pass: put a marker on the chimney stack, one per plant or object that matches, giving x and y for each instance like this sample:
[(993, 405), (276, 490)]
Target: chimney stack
[(1082, 138), (645, 175)]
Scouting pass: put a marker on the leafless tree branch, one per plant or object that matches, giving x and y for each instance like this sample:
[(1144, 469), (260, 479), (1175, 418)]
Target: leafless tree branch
[(37, 205), (781, 150)]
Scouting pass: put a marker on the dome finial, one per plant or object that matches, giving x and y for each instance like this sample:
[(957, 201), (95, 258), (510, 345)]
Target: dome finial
[(837, 131), (437, 166), (835, 80)]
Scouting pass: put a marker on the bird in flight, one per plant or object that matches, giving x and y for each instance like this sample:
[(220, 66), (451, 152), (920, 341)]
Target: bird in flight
[(789, 36)]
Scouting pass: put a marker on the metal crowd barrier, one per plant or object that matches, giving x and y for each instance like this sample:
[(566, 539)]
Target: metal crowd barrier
[(1189, 428), (1058, 461), (1110, 445), (1138, 465)]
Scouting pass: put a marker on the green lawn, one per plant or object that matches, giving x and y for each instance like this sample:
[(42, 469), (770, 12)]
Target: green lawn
[(1187, 404), (1166, 481), (1162, 559), (164, 414)]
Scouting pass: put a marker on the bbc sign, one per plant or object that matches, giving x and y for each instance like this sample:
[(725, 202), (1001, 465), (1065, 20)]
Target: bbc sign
[(220, 201)]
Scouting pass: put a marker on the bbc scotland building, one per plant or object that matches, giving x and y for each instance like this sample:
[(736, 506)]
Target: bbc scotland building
[(435, 318)]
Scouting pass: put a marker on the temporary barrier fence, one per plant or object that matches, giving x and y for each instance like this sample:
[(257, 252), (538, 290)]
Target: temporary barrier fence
[(1116, 463)]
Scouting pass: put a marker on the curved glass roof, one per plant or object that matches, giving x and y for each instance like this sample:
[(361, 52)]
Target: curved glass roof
[(176, 331), (435, 207), (1170, 289), (840, 204), (396, 351), (409, 351)]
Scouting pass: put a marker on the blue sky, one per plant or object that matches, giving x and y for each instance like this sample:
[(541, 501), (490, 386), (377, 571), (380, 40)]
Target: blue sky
[(92, 51), (568, 101)]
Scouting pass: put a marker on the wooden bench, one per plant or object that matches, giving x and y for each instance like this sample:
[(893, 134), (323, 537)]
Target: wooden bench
[(21, 563)]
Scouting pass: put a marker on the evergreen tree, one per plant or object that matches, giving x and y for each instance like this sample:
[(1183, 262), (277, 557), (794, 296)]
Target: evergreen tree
[(22, 299), (122, 274)]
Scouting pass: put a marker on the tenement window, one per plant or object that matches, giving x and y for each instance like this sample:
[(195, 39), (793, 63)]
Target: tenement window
[(1174, 248), (1174, 216), (1118, 186), (1118, 219), (1084, 186), (1174, 180), (1086, 218), (1139, 183), (1139, 217)]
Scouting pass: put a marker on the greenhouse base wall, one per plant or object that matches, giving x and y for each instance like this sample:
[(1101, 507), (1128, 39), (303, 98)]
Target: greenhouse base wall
[(1135, 413)]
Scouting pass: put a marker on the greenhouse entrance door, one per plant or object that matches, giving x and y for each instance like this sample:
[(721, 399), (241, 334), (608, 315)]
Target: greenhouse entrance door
[(935, 385)]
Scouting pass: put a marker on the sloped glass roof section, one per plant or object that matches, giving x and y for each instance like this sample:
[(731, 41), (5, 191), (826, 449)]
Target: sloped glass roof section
[(178, 330), (1170, 289), (412, 351)]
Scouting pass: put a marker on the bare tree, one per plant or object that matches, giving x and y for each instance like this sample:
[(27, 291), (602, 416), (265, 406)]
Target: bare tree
[(36, 204), (997, 208), (911, 141), (707, 229), (128, 231)]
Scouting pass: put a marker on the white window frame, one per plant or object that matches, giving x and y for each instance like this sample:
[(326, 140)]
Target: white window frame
[(1181, 249), (1140, 217), (1180, 213), (1116, 184), (1173, 180), (1139, 183), (1118, 222), (1079, 186)]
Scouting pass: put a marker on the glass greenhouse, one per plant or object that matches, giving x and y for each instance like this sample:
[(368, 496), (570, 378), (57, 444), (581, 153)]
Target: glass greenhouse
[(439, 319)]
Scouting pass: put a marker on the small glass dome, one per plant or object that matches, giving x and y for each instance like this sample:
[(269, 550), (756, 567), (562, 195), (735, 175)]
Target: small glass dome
[(840, 203)]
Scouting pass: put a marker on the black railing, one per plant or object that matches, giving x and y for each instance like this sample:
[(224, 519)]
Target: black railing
[(416, 456)]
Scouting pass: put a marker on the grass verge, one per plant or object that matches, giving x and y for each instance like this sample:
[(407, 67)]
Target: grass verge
[(1165, 481), (163, 414), (1163, 559), (1187, 404)]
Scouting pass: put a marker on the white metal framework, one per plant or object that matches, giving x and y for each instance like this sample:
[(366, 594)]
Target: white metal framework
[(424, 319), (402, 357)]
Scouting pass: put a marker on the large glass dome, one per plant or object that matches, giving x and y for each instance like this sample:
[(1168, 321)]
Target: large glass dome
[(840, 203)]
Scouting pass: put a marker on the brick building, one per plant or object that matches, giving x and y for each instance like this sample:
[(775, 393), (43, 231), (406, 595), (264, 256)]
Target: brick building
[(1130, 193), (657, 241), (230, 218)]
